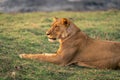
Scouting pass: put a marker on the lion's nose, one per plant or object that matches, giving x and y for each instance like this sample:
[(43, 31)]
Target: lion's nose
[(47, 33)]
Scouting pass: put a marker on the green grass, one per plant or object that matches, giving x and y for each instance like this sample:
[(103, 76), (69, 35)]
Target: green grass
[(25, 33)]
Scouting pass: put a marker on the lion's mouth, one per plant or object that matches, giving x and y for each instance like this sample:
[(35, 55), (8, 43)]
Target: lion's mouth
[(52, 39)]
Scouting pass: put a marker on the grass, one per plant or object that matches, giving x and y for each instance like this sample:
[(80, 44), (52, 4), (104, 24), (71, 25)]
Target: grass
[(25, 33)]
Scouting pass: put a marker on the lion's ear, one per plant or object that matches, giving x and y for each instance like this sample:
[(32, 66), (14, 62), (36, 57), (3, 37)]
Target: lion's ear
[(55, 18), (65, 21)]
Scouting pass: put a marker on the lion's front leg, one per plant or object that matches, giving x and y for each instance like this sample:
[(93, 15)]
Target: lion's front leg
[(53, 58)]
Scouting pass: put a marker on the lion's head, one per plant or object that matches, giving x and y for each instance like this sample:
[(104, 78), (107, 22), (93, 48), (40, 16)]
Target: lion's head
[(59, 29)]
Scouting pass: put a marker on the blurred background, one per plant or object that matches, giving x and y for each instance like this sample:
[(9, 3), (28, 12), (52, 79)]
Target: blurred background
[(8, 6)]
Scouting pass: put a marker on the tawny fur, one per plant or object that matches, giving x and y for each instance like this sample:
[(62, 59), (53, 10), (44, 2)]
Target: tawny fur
[(78, 48)]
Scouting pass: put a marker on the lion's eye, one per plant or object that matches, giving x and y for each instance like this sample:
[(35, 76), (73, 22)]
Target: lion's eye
[(56, 26)]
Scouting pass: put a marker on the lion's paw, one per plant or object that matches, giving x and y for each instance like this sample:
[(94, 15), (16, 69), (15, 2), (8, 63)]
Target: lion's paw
[(21, 55)]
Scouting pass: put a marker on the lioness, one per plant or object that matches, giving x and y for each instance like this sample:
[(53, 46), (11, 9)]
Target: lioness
[(78, 48)]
